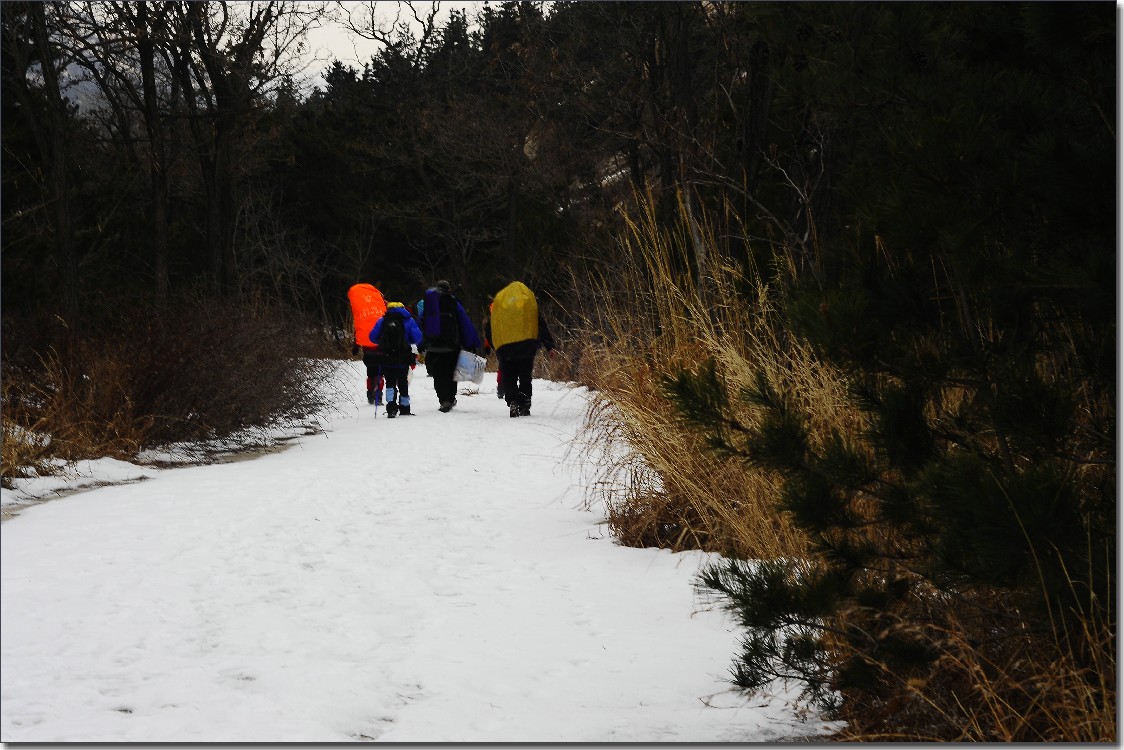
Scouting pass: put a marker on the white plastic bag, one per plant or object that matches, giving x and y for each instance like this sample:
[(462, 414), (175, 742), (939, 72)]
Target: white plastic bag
[(470, 367)]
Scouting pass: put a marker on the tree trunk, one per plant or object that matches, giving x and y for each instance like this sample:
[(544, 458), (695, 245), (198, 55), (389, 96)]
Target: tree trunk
[(58, 169), (157, 154)]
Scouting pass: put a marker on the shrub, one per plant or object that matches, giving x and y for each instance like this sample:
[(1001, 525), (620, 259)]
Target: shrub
[(130, 378)]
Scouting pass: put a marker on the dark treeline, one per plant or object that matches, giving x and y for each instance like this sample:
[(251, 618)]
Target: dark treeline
[(478, 149), (500, 146)]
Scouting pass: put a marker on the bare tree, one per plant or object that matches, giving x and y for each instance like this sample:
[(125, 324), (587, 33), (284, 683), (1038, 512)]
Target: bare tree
[(38, 64), (124, 47), (412, 32), (212, 64), (227, 58)]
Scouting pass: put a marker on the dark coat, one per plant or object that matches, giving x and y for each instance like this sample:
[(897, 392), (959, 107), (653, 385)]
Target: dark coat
[(527, 347), (413, 336)]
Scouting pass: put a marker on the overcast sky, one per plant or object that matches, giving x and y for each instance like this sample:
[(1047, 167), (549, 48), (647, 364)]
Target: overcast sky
[(335, 42)]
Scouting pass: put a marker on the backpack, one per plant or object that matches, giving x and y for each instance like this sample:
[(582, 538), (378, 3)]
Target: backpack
[(515, 315), (392, 336), (367, 306), (442, 330)]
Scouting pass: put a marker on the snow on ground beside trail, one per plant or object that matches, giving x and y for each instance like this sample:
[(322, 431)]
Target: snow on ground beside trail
[(429, 578)]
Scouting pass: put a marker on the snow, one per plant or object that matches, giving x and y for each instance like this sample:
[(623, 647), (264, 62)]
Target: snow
[(431, 578)]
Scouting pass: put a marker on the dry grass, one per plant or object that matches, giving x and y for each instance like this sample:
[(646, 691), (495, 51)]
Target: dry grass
[(996, 683), (26, 448), (85, 415), (141, 379), (651, 317)]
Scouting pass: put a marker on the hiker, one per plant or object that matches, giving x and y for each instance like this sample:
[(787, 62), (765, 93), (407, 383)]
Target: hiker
[(367, 308), (374, 375), (517, 330), (447, 330), (395, 334)]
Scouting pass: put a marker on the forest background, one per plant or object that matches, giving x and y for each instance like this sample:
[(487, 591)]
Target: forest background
[(842, 275)]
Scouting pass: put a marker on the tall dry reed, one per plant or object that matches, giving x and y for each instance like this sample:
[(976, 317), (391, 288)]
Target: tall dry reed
[(651, 315), (997, 679)]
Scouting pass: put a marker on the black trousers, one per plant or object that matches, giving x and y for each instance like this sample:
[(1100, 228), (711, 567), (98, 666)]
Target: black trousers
[(440, 366), (515, 379)]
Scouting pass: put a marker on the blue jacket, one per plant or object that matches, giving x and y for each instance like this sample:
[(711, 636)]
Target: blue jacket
[(412, 332)]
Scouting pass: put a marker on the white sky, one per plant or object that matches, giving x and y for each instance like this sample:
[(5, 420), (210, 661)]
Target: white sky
[(430, 578), (334, 42)]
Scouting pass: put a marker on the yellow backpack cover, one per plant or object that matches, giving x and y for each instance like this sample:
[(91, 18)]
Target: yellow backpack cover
[(515, 315), (367, 306)]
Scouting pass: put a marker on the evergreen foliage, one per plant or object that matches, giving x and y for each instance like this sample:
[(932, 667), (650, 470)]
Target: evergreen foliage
[(964, 279)]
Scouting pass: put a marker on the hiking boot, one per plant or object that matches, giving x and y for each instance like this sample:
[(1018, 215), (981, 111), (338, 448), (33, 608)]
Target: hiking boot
[(513, 410), (499, 393), (370, 397), (392, 410), (405, 411), (445, 406), (525, 409)]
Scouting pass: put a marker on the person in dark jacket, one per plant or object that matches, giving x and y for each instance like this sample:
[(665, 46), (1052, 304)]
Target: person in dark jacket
[(395, 334), (447, 330), (517, 361)]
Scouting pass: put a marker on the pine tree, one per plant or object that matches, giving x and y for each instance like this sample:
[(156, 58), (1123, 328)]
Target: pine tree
[(967, 288)]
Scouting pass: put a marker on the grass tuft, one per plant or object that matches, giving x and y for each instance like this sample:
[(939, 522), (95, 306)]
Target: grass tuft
[(133, 379)]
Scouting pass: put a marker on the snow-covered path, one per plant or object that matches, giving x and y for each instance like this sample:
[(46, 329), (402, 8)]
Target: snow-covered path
[(429, 578)]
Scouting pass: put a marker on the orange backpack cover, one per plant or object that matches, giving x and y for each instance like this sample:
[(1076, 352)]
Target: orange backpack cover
[(367, 306)]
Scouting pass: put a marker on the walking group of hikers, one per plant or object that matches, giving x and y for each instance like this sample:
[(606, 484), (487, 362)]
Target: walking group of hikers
[(440, 335)]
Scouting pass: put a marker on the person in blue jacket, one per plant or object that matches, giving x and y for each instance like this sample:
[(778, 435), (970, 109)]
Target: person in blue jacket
[(395, 335), (447, 330)]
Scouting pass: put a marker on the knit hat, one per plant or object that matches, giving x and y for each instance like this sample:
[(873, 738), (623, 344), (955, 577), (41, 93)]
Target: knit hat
[(443, 286)]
